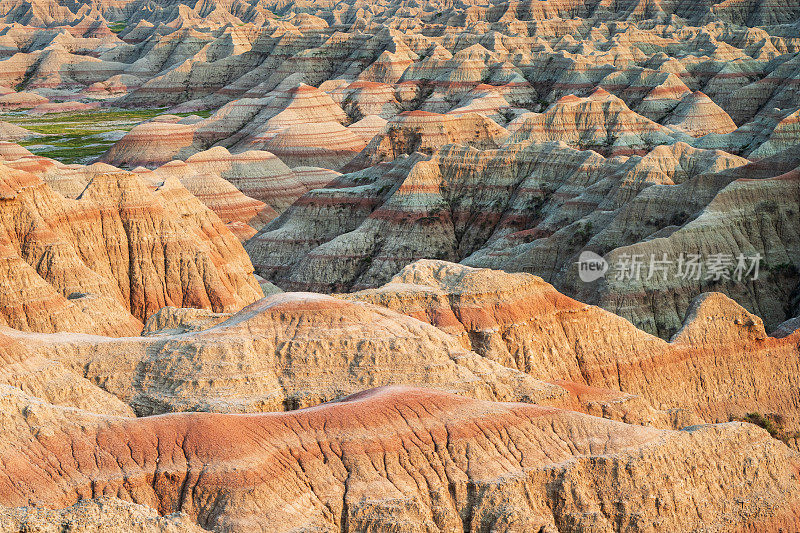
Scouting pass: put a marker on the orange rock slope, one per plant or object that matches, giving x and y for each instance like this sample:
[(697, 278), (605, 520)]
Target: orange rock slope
[(405, 457), (524, 323), (402, 458), (422, 163), (106, 261), (478, 332)]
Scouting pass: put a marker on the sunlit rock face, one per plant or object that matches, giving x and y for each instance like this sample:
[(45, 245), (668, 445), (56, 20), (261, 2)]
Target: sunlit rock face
[(396, 265), (534, 207), (105, 261), (286, 471)]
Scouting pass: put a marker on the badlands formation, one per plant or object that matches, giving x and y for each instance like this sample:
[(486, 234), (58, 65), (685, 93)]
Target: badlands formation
[(298, 266)]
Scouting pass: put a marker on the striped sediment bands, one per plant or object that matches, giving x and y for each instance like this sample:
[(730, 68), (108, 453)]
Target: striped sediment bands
[(79, 278), (370, 98), (241, 212), (51, 381), (698, 115), (426, 132), (524, 323), (327, 144), (600, 121), (152, 144), (368, 127), (532, 207), (245, 190), (20, 100), (441, 325), (346, 142), (286, 471), (448, 207), (783, 137), (213, 369), (746, 217), (277, 75)]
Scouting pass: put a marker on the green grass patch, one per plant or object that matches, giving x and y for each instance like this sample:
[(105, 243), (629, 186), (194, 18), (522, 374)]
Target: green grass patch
[(66, 129), (78, 154), (59, 122), (75, 137), (69, 140), (117, 26), (774, 424), (204, 114), (69, 148), (85, 117)]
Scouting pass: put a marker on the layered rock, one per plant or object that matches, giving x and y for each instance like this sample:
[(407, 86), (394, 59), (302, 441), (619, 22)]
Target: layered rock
[(265, 72), (366, 458), (326, 144), (698, 115), (525, 207), (522, 322), (483, 333), (523, 137), (12, 132), (54, 66), (368, 127), (785, 136), (600, 121), (175, 320), (748, 245), (260, 175), (364, 98), (286, 351), (300, 124), (243, 215), (425, 132), (51, 381), (100, 514), (151, 144), (21, 100), (106, 261)]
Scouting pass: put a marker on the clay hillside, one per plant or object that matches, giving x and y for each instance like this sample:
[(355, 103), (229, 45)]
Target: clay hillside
[(399, 266)]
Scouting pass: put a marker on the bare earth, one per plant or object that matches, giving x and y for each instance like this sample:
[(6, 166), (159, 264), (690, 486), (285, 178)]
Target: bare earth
[(320, 266)]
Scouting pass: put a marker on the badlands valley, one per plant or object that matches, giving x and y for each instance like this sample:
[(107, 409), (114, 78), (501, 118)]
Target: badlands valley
[(399, 266)]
